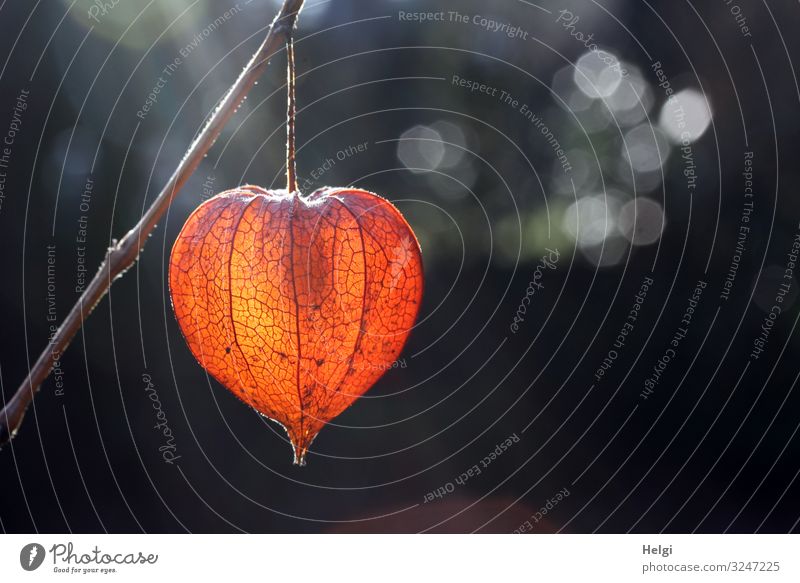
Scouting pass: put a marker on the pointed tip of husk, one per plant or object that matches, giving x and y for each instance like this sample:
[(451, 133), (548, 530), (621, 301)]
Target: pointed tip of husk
[(299, 457), (300, 446)]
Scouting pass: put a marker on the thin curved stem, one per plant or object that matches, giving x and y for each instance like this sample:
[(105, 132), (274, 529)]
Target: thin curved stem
[(291, 166), (125, 253)]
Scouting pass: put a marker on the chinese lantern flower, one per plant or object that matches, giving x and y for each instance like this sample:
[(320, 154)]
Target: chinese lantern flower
[(297, 304)]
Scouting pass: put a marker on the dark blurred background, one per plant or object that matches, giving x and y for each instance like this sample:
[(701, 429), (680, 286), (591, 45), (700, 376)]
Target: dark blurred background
[(586, 163)]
